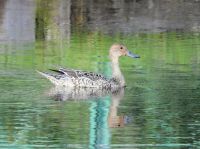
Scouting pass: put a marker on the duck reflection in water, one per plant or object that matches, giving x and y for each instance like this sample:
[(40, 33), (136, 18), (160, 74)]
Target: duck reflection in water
[(94, 94)]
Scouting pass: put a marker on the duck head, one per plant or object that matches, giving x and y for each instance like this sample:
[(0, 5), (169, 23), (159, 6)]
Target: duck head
[(118, 50)]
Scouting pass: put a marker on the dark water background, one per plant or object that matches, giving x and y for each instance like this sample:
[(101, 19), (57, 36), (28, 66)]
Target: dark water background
[(158, 109)]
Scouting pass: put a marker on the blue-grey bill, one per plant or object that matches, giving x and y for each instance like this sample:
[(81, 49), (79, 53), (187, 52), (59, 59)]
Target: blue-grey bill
[(130, 54)]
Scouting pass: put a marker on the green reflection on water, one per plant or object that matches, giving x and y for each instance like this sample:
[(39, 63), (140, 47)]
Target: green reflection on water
[(162, 94), (162, 49)]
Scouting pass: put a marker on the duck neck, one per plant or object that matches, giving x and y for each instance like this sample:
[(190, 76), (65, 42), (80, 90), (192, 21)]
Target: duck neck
[(116, 72)]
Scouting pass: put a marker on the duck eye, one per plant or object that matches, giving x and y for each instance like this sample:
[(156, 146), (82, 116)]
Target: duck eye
[(121, 47)]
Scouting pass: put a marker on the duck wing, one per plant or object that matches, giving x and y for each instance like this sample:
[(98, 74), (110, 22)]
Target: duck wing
[(79, 73)]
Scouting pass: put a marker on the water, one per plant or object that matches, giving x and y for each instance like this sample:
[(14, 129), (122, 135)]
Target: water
[(158, 109)]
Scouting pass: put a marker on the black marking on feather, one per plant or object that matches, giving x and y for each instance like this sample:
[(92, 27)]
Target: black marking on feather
[(56, 76), (78, 73), (60, 72)]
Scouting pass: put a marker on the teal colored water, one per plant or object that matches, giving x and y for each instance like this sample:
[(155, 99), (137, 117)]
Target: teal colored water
[(159, 108)]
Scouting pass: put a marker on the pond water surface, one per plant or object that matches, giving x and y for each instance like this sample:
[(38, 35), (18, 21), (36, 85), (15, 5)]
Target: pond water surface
[(159, 108)]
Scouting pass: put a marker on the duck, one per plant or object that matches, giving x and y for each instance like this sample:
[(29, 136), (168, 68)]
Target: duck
[(78, 78)]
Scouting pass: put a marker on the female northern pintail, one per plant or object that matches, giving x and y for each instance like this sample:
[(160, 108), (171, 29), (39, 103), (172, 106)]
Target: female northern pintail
[(78, 78)]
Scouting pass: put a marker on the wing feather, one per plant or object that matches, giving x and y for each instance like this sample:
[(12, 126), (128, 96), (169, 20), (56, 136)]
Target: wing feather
[(78, 73)]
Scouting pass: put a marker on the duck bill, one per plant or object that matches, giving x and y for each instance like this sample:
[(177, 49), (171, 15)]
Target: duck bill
[(130, 54)]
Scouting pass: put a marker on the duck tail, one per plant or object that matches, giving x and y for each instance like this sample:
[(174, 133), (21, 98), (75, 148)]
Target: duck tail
[(50, 77)]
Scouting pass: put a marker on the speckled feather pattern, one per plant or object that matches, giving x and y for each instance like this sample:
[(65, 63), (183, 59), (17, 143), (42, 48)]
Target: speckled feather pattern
[(77, 78)]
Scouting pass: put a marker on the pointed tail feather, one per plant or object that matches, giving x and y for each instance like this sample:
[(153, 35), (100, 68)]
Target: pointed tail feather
[(50, 77), (43, 74)]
